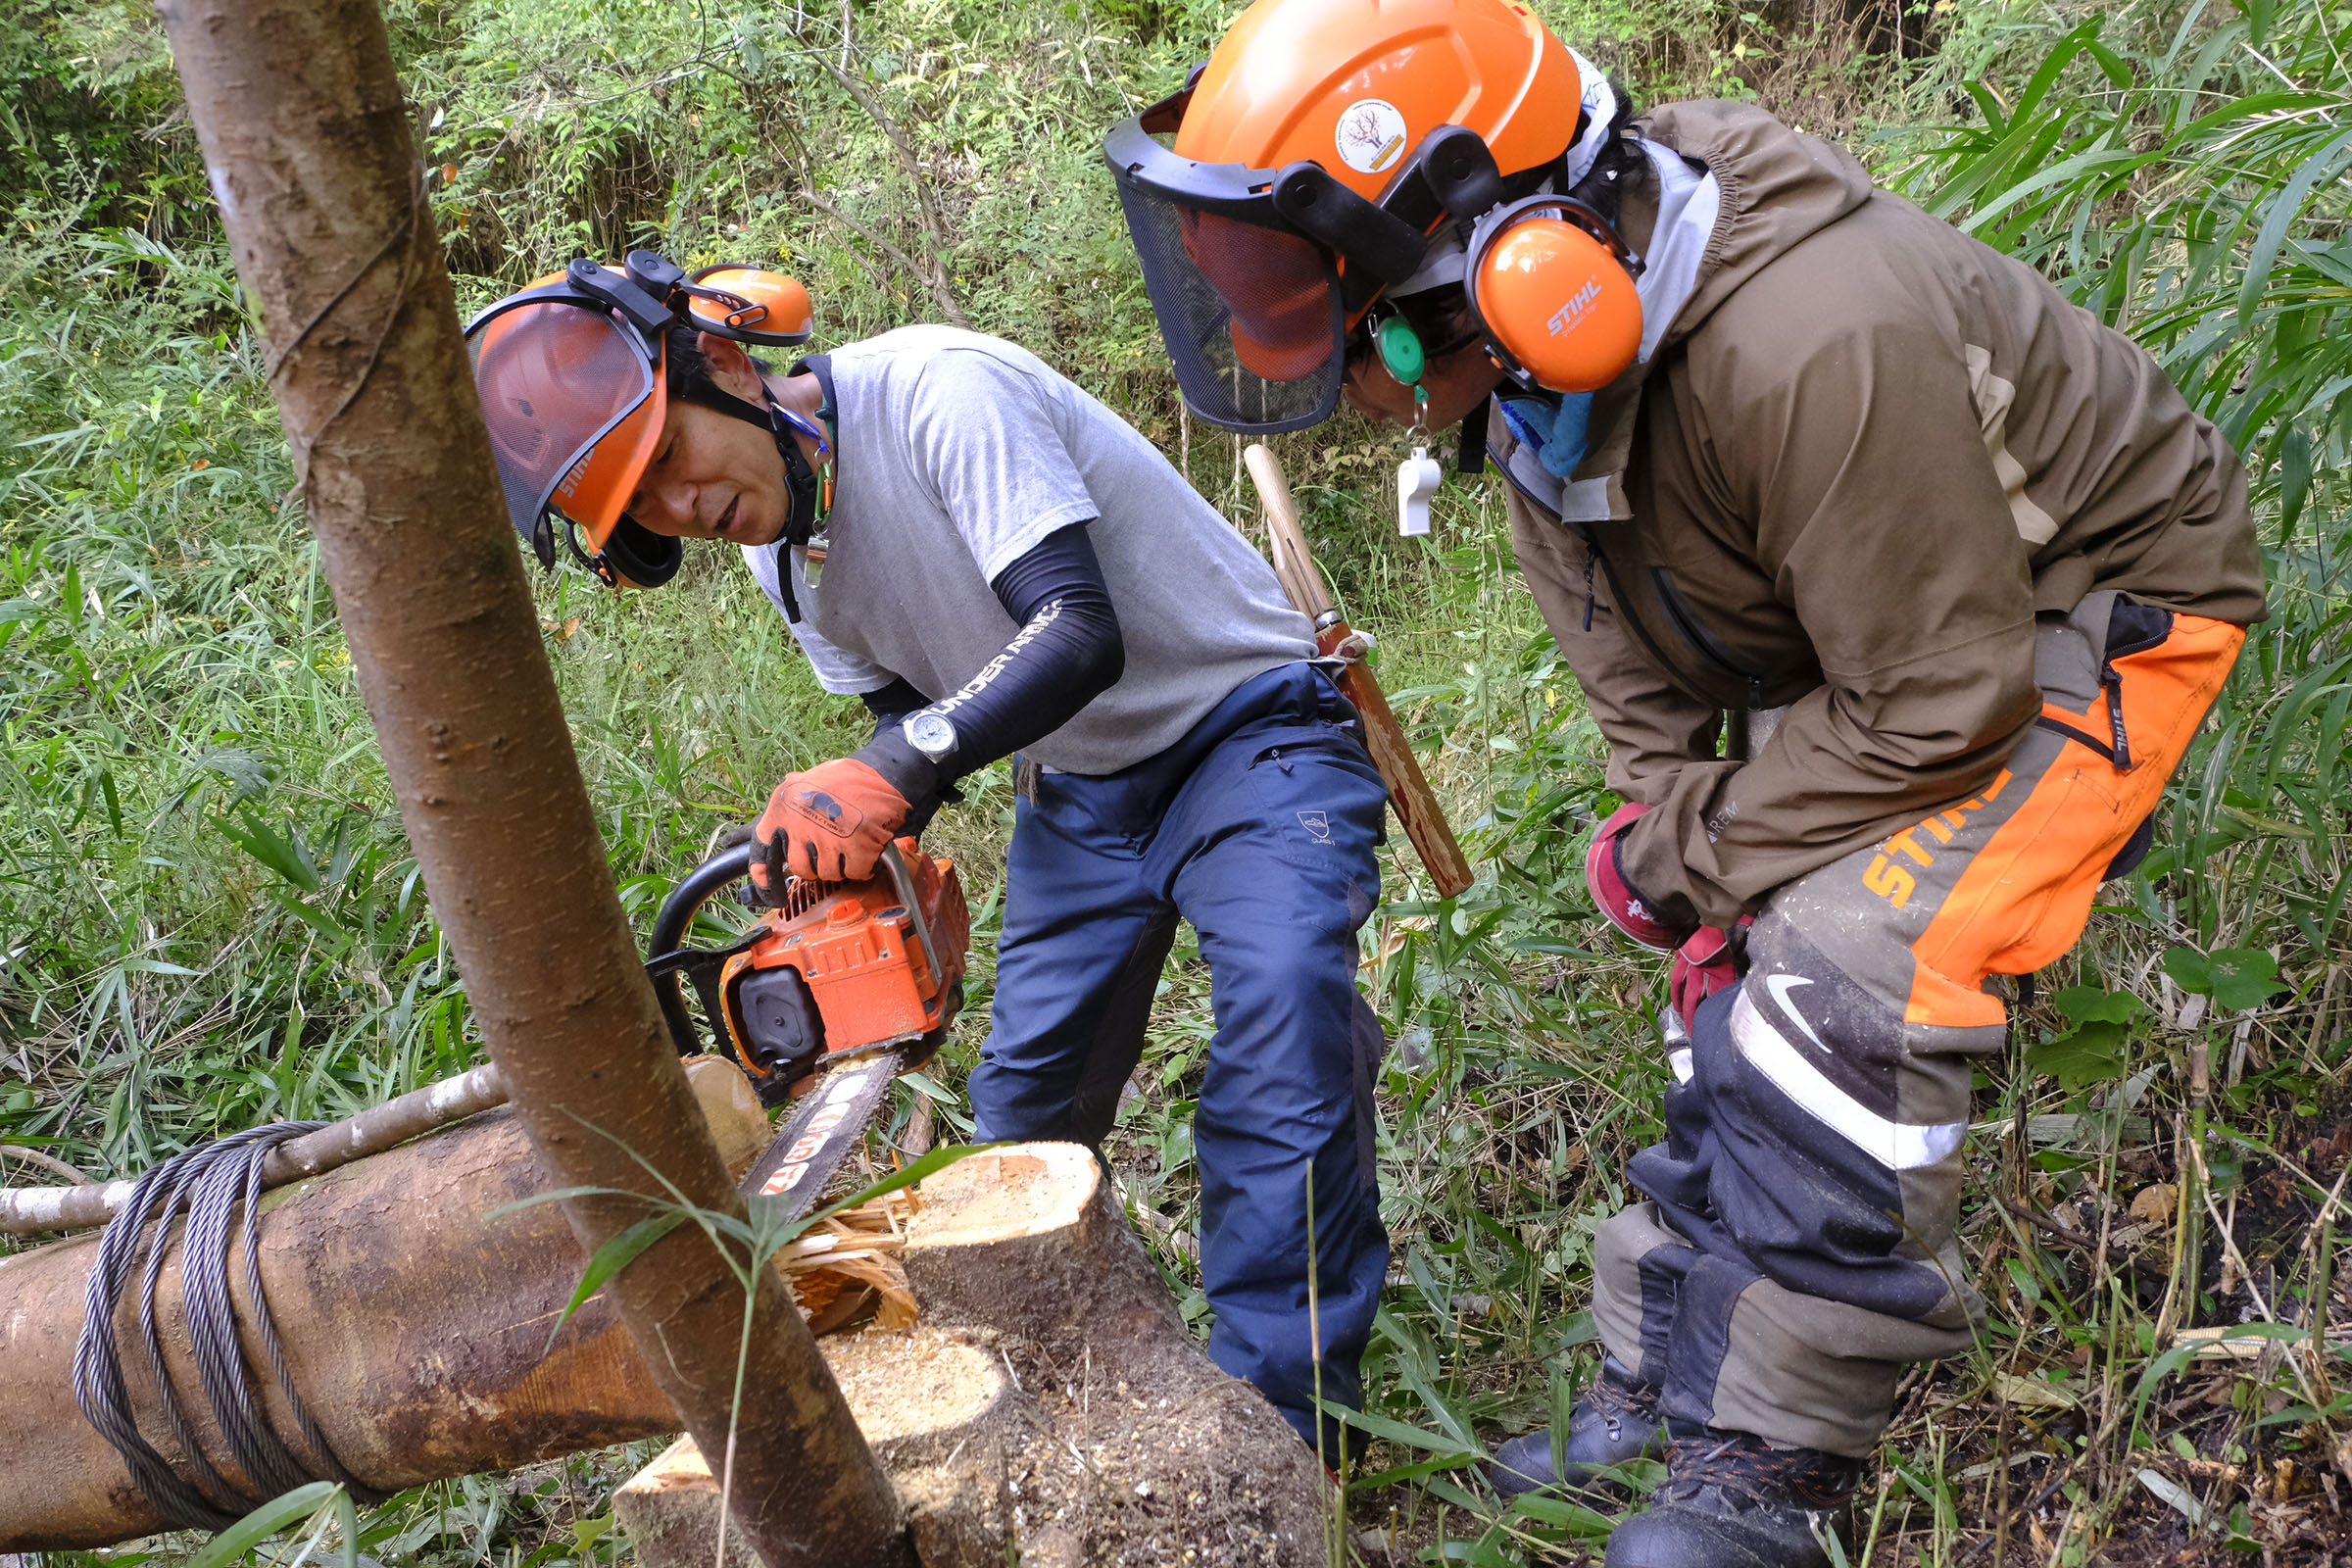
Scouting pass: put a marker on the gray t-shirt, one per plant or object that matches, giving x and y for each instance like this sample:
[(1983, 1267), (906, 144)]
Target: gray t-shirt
[(958, 454)]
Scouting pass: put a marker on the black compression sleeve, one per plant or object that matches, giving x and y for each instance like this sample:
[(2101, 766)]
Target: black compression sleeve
[(894, 701), (1067, 652)]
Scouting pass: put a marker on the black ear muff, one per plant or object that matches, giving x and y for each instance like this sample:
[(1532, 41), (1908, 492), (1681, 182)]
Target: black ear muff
[(1553, 286), (636, 556)]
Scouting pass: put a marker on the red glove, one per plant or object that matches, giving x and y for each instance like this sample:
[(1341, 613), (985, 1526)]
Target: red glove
[(1626, 908), (833, 823), (1702, 967)]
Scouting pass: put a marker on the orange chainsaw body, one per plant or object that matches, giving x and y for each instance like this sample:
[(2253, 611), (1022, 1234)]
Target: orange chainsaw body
[(860, 951)]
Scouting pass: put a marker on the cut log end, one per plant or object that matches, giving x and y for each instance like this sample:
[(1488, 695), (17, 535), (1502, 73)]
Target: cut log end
[(1052, 1402)]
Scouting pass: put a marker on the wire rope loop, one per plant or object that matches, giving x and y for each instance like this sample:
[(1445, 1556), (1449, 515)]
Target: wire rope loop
[(209, 1184)]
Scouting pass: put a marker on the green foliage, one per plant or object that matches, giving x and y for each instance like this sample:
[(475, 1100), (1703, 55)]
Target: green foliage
[(2233, 977), (2179, 173), (213, 918), (323, 1504), (2092, 1051)]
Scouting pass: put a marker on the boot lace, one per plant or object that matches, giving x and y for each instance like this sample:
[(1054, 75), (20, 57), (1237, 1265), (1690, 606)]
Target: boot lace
[(1746, 1467), (1623, 1400)]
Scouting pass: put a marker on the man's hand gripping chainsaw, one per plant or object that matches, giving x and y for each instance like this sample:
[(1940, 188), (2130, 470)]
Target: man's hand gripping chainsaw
[(833, 993)]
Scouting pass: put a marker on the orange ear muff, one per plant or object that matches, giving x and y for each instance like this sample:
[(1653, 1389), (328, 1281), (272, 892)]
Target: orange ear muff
[(750, 304), (1553, 286)]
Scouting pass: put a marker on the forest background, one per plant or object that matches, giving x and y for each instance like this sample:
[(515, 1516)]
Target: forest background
[(211, 918)]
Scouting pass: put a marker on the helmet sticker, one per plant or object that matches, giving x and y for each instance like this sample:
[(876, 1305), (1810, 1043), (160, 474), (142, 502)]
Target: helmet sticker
[(1371, 136)]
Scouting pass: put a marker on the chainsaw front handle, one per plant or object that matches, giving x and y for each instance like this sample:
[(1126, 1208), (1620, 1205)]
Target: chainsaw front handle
[(902, 881), (664, 956)]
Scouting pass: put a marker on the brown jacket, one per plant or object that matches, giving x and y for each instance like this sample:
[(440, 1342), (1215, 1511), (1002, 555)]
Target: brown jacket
[(1866, 453)]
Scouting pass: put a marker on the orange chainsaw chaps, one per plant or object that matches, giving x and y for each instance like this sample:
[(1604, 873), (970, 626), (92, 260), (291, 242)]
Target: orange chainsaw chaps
[(2026, 890), (859, 950)]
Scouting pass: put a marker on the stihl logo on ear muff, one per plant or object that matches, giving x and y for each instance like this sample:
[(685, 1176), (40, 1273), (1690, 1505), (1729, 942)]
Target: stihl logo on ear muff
[(1553, 287), (1579, 304)]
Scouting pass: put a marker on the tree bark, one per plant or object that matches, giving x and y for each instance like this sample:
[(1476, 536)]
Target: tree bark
[(308, 143)]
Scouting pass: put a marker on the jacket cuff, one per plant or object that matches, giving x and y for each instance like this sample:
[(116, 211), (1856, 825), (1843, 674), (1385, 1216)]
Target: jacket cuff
[(1652, 867)]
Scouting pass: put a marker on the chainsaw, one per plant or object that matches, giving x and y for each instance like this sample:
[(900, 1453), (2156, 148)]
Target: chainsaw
[(834, 991)]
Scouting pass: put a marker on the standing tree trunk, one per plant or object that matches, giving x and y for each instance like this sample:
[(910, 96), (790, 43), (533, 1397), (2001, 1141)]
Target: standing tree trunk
[(309, 146)]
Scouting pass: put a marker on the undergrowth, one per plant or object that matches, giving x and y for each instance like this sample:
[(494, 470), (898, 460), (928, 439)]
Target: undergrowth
[(214, 920)]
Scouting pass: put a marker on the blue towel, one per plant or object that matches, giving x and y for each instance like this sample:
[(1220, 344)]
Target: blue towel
[(1555, 428)]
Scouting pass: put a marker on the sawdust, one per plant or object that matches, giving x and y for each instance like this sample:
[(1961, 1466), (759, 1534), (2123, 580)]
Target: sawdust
[(916, 1384), (1118, 1479)]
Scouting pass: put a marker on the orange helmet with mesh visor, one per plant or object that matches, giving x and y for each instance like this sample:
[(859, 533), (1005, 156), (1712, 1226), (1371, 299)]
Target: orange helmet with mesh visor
[(572, 372), (1309, 163)]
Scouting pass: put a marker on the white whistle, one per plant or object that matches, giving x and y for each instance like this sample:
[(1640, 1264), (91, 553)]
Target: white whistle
[(1417, 479)]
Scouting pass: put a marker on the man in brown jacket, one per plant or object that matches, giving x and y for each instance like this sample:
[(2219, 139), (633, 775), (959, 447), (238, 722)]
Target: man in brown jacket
[(1969, 560)]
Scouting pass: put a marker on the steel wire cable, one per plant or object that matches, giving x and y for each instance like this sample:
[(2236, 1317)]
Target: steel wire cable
[(210, 1182)]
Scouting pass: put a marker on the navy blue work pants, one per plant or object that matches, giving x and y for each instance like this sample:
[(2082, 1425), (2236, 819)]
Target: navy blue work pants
[(1259, 827)]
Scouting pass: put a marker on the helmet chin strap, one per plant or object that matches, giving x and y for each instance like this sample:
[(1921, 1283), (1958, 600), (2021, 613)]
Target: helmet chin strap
[(801, 483)]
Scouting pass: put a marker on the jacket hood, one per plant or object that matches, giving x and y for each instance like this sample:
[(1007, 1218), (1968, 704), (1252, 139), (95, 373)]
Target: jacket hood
[(1778, 187), (1730, 190)]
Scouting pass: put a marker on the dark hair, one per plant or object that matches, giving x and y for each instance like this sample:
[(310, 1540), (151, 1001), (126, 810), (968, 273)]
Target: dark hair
[(688, 368), (1441, 316)]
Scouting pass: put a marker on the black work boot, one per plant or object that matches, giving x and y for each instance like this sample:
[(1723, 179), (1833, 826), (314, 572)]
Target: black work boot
[(1732, 1501), (1616, 1420)]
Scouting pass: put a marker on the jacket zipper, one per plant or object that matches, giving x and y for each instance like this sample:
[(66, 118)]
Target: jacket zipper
[(1594, 555), (1700, 639)]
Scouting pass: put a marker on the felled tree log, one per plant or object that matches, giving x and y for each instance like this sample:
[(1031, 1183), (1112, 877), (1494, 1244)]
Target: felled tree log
[(415, 1318), (1050, 1400)]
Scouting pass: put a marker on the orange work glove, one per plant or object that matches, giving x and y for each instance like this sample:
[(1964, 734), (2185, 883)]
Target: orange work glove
[(831, 822)]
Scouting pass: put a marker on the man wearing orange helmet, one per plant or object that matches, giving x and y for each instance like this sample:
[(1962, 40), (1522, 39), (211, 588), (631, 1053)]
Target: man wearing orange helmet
[(1777, 444), (1013, 568)]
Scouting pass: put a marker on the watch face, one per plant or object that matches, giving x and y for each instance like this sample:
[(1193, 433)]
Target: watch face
[(930, 734)]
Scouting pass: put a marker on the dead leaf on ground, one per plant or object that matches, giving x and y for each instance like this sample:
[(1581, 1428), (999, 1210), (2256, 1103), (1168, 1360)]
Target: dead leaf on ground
[(2033, 1394), (2156, 1202)]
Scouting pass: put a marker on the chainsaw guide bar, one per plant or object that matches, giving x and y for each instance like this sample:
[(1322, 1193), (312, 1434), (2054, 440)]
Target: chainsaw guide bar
[(829, 1121)]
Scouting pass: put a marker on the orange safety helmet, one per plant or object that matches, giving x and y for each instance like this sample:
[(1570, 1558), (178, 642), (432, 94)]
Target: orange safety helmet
[(1311, 162), (572, 372)]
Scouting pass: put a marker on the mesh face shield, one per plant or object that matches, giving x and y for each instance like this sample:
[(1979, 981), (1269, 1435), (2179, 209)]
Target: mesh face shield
[(1257, 274), (1252, 314)]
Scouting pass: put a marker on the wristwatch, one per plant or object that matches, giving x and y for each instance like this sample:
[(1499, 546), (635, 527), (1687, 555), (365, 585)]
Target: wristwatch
[(930, 733)]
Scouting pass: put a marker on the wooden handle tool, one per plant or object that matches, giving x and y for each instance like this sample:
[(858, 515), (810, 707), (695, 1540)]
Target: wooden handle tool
[(1415, 803)]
